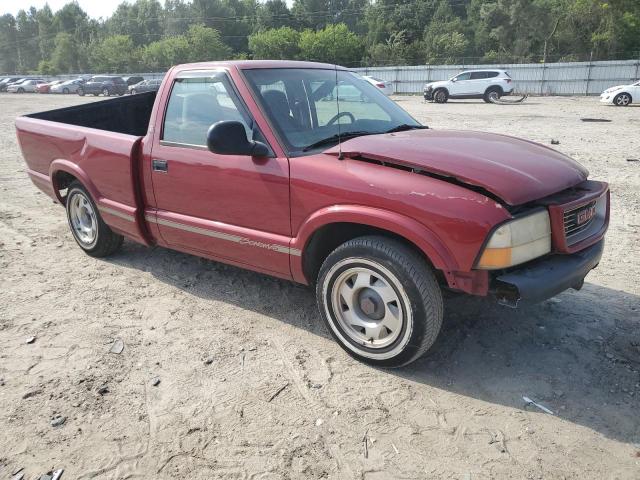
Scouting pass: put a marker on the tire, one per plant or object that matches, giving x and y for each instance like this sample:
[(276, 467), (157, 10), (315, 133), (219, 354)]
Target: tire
[(440, 96), (21, 90), (492, 92), (65, 91), (378, 287), (81, 92), (105, 92), (622, 100), (86, 225), (133, 92)]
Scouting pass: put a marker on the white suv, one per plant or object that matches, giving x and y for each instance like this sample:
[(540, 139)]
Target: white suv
[(470, 84)]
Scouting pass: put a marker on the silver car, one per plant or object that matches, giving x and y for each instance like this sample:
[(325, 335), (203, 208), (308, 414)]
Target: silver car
[(25, 86), (70, 86)]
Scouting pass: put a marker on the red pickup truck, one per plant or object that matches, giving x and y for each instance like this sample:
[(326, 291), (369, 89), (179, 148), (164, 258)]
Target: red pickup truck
[(307, 172)]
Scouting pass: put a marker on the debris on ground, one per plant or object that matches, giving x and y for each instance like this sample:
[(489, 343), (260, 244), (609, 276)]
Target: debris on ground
[(633, 159), (57, 474), (555, 142), (366, 445), (31, 339), (604, 120), (117, 347), (528, 401), (319, 422), (18, 476), (278, 392), (103, 390), (155, 382), (31, 393), (208, 361), (58, 421), (496, 99), (395, 448)]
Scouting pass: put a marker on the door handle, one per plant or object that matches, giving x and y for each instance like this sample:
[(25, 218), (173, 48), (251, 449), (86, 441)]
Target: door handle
[(159, 165)]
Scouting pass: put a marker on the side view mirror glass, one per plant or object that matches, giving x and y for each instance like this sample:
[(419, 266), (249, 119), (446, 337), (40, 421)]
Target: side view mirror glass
[(229, 137)]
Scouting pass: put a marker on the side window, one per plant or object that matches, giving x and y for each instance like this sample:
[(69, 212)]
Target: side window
[(463, 76), (478, 75), (197, 103), (492, 74)]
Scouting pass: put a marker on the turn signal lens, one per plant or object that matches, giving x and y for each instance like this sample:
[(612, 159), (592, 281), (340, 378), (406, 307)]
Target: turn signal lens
[(517, 241)]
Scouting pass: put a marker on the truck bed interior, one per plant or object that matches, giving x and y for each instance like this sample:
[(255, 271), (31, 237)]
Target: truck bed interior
[(129, 114)]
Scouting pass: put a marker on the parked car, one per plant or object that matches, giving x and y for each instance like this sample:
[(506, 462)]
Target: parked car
[(470, 84), (132, 80), (26, 86), (46, 87), (105, 85), (242, 162), (145, 86), (384, 86), (8, 81), (69, 86), (621, 95)]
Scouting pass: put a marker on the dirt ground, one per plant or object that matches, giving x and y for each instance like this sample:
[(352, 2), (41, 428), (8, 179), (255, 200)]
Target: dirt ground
[(251, 385)]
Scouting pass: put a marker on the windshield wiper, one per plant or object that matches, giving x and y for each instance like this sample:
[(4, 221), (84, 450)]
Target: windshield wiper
[(405, 126), (336, 138)]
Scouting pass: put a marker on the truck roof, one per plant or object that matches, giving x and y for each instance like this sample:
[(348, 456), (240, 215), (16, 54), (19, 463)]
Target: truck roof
[(252, 64)]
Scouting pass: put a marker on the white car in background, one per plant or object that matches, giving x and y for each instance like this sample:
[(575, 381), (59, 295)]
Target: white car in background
[(470, 84), (69, 86), (621, 95), (25, 86), (384, 86)]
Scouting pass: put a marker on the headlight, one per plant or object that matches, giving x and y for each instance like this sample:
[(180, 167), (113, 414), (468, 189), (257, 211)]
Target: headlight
[(517, 241)]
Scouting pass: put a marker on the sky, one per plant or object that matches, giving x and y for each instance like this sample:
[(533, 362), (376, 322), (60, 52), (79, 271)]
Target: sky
[(94, 8)]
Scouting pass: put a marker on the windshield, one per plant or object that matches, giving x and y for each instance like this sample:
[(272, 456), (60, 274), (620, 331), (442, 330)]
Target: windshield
[(308, 108)]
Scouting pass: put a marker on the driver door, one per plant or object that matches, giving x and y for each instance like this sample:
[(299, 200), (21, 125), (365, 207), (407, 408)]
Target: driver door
[(461, 85), (229, 207)]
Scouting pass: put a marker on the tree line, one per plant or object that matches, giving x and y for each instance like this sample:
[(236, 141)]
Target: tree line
[(148, 36)]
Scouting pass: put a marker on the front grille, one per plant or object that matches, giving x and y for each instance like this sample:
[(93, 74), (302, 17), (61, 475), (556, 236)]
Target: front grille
[(571, 225)]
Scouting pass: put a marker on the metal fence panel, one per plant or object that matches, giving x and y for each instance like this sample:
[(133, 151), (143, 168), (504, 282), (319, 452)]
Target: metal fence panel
[(575, 78)]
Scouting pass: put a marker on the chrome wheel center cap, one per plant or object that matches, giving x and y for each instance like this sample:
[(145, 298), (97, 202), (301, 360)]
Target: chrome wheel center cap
[(371, 304)]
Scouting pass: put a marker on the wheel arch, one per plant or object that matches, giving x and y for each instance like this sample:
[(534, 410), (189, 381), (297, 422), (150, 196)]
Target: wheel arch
[(491, 88), (328, 228), (63, 172)]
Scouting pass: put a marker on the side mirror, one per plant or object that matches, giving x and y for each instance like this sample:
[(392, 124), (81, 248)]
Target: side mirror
[(454, 79), (229, 137)]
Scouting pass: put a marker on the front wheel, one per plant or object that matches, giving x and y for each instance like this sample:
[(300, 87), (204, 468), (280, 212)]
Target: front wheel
[(440, 96), (622, 100), (88, 229), (81, 92), (105, 92), (380, 300), (21, 90)]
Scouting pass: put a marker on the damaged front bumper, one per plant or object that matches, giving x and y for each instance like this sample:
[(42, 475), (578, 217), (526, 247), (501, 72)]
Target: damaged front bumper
[(547, 277)]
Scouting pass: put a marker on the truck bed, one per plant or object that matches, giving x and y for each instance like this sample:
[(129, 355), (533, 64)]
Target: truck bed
[(127, 114), (97, 143)]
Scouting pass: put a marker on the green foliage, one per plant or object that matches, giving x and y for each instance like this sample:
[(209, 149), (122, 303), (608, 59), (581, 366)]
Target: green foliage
[(155, 34), (332, 44), (205, 44), (65, 54), (276, 43), (114, 54)]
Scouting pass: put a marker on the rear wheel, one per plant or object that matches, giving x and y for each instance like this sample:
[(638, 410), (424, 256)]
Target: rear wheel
[(380, 301), (440, 96), (622, 100), (105, 92), (133, 91), (20, 90), (492, 94), (88, 229)]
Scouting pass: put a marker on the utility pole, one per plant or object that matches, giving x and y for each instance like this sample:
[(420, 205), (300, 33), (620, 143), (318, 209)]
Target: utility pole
[(544, 54)]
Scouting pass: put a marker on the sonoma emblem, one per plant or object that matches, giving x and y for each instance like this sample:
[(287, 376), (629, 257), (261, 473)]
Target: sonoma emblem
[(586, 214)]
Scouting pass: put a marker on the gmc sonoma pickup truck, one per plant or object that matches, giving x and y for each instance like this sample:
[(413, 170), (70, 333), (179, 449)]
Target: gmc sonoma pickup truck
[(260, 164)]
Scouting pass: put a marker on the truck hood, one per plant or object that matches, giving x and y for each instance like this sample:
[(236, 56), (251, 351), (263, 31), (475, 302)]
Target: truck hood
[(515, 170)]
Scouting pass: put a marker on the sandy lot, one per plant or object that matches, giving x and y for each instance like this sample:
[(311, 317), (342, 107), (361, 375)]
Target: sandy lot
[(224, 342)]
